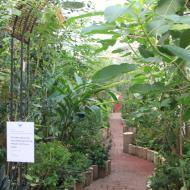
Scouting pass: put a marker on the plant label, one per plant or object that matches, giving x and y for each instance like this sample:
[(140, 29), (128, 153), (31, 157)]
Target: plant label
[(20, 142)]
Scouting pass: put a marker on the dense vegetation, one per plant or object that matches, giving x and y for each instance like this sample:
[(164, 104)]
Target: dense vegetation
[(156, 91), (69, 97), (69, 110)]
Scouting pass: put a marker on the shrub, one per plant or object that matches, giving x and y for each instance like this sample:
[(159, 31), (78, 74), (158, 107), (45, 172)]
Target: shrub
[(50, 158), (173, 174), (78, 163)]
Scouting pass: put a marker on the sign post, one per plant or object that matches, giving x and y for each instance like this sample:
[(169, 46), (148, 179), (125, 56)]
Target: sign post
[(20, 142)]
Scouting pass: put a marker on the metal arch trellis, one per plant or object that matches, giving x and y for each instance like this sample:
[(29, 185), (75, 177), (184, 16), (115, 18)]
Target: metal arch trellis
[(20, 29)]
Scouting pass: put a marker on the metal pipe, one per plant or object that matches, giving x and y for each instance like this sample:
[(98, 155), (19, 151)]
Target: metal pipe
[(21, 77), (12, 79)]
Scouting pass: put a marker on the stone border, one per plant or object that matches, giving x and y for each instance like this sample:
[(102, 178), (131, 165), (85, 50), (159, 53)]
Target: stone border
[(139, 151), (96, 172), (92, 174)]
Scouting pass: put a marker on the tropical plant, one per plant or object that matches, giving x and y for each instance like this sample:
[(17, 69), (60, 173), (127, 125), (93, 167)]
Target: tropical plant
[(51, 158), (78, 164)]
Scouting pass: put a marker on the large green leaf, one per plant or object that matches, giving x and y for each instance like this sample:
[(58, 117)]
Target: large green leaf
[(180, 27), (146, 88), (107, 43), (145, 52), (86, 15), (97, 28), (158, 26), (185, 38), (186, 114), (179, 52), (112, 71), (113, 12), (177, 19), (166, 7)]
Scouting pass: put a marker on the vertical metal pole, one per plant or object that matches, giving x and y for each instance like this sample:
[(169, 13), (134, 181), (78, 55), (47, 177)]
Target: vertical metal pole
[(12, 79), (21, 108), (21, 77), (28, 77)]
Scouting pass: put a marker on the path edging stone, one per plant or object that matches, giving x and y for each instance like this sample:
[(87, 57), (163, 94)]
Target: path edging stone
[(139, 151)]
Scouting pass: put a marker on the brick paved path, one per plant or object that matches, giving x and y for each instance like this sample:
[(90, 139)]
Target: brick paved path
[(128, 172)]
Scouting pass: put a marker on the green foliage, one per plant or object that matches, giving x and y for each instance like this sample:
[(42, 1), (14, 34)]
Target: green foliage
[(50, 159), (87, 139), (146, 88), (156, 34), (180, 52), (165, 7), (78, 163), (97, 28), (64, 102), (68, 78), (112, 13), (98, 155), (2, 155), (112, 71), (172, 175)]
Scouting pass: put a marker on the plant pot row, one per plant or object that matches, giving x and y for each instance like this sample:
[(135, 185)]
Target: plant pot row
[(93, 173)]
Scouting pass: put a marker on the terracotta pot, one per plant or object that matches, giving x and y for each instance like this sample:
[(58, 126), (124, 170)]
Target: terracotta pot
[(95, 172), (79, 186), (101, 172)]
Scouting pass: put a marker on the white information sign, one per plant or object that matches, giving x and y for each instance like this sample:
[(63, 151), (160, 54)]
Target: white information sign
[(20, 142)]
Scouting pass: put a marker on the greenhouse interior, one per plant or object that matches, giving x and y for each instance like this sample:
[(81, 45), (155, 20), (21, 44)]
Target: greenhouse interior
[(94, 94)]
